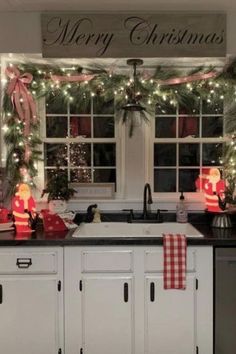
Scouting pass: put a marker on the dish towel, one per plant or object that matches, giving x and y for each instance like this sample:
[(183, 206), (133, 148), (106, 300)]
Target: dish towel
[(175, 249)]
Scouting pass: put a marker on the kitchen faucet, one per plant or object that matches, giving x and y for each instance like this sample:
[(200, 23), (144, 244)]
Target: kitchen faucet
[(147, 189)]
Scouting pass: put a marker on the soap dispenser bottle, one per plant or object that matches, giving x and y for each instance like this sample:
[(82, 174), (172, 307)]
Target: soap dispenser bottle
[(181, 210)]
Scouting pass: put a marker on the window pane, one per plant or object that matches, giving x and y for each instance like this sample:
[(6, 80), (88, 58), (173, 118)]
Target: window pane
[(55, 154), (211, 154), (164, 180), (105, 175), (164, 154), (100, 106), (51, 172), (187, 179), (104, 154), (190, 106), (80, 126), (80, 106), (165, 127), (54, 104), (165, 108), (56, 127), (212, 126), (80, 154), (81, 175), (212, 107), (103, 127), (188, 126), (189, 154)]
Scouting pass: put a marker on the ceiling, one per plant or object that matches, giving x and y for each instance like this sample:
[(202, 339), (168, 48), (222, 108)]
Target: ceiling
[(116, 5)]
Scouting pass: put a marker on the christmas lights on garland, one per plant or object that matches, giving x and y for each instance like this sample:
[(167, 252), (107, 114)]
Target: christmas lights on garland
[(78, 85)]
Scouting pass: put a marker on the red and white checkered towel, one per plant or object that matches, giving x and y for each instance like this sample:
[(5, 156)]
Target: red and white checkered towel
[(175, 249)]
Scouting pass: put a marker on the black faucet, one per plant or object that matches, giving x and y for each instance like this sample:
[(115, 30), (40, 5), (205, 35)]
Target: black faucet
[(147, 189)]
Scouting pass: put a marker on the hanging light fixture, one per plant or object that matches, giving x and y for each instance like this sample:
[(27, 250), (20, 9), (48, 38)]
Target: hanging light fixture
[(133, 104)]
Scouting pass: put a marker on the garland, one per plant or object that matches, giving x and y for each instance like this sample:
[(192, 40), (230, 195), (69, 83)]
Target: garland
[(29, 82)]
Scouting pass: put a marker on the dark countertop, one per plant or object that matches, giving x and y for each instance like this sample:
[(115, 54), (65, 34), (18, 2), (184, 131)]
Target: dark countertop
[(217, 237)]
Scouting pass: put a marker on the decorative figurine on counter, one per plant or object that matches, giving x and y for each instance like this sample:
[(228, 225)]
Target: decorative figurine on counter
[(96, 215), (90, 212), (93, 214), (213, 186), (23, 209)]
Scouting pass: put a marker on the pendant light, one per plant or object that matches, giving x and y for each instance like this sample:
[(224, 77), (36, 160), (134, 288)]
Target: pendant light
[(133, 104)]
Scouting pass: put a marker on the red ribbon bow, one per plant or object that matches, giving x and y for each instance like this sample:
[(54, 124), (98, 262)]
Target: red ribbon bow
[(72, 78), (21, 98), (187, 79)]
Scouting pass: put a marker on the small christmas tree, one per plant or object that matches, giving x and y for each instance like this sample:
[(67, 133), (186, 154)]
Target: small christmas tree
[(58, 186)]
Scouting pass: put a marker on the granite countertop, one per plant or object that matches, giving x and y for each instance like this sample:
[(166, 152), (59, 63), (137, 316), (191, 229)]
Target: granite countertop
[(218, 237), (212, 236)]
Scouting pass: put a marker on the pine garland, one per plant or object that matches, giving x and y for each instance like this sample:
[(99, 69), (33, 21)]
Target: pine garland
[(106, 86)]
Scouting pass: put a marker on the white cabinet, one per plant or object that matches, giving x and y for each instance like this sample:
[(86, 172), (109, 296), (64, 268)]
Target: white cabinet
[(99, 303), (115, 302), (107, 308), (170, 317), (31, 300)]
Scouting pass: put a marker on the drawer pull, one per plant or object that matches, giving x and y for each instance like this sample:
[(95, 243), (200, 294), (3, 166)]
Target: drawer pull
[(126, 292), (0, 293), (23, 262), (152, 291)]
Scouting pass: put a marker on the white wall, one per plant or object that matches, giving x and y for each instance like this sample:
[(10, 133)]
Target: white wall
[(20, 33)]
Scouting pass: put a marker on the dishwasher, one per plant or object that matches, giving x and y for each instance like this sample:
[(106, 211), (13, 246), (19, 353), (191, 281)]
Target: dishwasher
[(225, 300)]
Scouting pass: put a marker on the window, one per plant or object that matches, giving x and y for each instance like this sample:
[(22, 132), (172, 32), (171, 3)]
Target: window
[(186, 144), (81, 140)]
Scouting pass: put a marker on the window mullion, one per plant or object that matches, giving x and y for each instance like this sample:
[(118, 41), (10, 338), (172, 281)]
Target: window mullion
[(92, 144), (177, 149), (68, 144)]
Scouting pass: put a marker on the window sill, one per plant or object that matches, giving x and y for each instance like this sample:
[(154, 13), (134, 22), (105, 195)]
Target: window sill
[(135, 204)]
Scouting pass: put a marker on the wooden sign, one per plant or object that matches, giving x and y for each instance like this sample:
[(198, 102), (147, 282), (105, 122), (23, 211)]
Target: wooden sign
[(133, 35)]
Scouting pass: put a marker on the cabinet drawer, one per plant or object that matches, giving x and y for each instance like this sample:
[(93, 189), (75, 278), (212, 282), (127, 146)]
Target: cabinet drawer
[(154, 261), (107, 261), (28, 262)]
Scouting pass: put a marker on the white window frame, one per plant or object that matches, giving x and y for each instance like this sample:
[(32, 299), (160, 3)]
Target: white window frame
[(117, 140), (168, 200)]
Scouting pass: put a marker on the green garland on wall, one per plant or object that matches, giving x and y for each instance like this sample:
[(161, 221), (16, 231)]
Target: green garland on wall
[(151, 90)]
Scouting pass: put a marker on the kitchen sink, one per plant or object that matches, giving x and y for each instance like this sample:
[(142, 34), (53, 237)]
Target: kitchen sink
[(123, 229)]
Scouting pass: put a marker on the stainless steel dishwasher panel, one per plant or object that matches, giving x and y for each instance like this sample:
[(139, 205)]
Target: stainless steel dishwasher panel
[(225, 301)]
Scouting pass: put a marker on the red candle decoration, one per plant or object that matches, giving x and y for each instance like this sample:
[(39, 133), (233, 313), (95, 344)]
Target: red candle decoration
[(23, 208)]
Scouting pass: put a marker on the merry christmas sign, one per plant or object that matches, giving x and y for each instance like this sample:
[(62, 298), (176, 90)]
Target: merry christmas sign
[(133, 35)]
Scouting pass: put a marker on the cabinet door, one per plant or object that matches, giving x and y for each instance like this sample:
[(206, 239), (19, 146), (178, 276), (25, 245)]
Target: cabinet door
[(29, 315), (169, 318), (107, 311)]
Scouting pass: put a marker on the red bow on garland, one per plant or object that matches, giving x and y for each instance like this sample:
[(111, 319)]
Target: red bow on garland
[(21, 98), (72, 78)]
